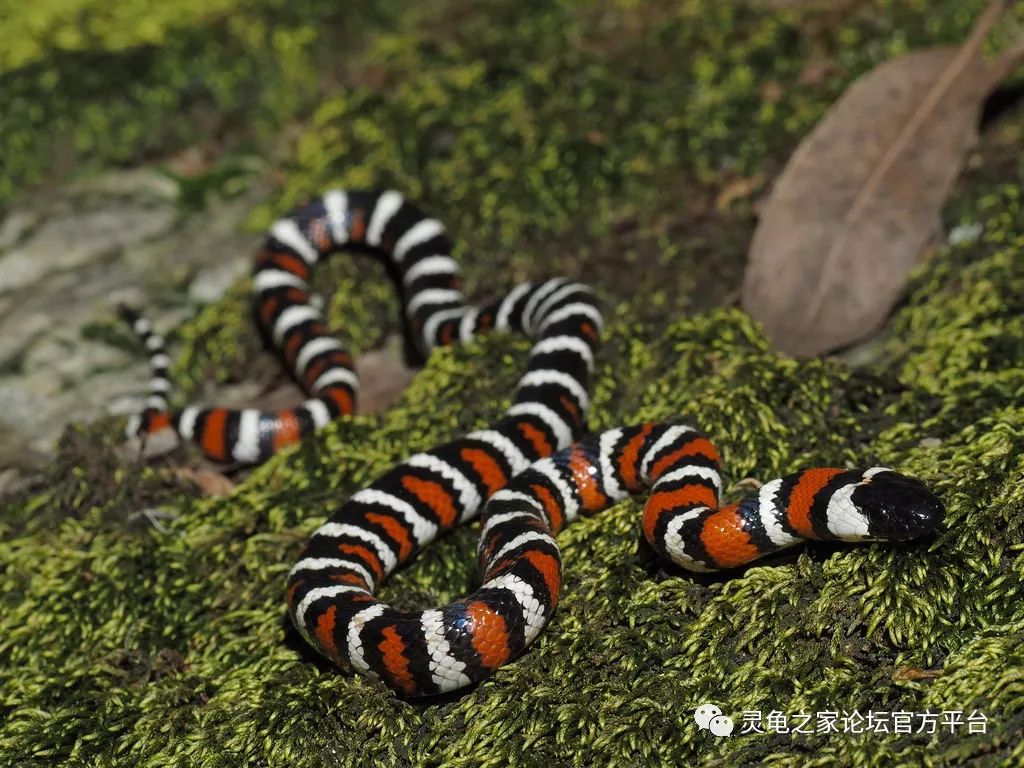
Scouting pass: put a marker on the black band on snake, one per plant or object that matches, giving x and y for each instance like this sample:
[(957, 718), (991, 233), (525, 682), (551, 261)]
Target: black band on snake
[(531, 498)]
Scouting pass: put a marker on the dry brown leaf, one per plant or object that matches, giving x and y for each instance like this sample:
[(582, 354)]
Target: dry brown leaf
[(860, 198), (738, 189), (210, 482), (914, 673)]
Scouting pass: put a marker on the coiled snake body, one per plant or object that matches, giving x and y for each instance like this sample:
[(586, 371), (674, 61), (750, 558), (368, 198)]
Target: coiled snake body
[(529, 498)]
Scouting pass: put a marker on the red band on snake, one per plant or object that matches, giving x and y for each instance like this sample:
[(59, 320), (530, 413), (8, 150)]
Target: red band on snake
[(437, 651), (559, 314), (529, 498)]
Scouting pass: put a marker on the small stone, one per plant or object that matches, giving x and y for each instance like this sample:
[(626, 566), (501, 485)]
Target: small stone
[(150, 447), (863, 354), (965, 233), (213, 282)]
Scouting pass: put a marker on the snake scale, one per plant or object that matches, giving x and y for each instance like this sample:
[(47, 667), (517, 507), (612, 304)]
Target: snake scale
[(524, 475)]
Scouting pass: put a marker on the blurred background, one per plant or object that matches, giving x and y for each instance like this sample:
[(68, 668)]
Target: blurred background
[(145, 145)]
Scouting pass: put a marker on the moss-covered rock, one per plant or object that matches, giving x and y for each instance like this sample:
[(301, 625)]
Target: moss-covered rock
[(142, 625)]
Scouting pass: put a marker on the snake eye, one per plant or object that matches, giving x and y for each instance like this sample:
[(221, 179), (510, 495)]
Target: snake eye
[(898, 507)]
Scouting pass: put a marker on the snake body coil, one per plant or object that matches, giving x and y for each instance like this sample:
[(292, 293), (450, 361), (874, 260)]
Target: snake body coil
[(435, 651), (529, 498), (560, 315)]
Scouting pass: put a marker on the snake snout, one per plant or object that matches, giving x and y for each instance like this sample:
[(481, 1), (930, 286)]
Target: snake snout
[(899, 507)]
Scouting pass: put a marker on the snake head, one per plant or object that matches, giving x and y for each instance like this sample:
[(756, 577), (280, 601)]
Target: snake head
[(897, 507)]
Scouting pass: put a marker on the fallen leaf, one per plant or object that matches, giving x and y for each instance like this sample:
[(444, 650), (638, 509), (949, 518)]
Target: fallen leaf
[(860, 199), (210, 482), (914, 673), (738, 189)]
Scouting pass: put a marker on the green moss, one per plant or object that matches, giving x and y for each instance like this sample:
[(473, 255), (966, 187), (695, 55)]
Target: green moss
[(219, 75), (173, 642), (559, 138)]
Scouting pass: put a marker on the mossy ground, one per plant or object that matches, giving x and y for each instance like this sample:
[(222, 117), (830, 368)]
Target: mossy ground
[(590, 139)]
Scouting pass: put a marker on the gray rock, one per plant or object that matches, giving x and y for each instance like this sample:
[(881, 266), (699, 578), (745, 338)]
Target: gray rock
[(62, 244), (67, 257), (133, 182)]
